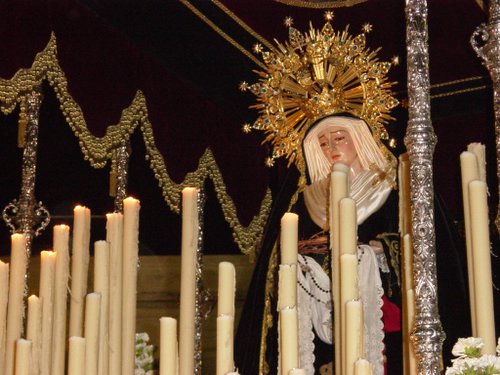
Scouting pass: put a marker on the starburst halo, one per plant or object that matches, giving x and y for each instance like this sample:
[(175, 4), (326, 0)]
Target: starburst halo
[(315, 74)]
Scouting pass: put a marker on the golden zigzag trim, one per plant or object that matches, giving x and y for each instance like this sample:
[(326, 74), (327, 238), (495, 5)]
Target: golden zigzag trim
[(98, 151)]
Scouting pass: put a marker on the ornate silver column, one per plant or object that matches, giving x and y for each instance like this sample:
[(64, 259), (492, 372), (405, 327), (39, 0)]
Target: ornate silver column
[(121, 166), (490, 54), (427, 336), (26, 215)]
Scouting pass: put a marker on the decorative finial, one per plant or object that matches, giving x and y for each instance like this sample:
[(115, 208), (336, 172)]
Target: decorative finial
[(243, 86), (288, 22), (257, 48), (329, 16), (247, 128), (367, 28), (395, 60)]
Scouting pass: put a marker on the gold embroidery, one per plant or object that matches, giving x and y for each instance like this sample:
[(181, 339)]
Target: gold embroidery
[(321, 4), (100, 151), (392, 242)]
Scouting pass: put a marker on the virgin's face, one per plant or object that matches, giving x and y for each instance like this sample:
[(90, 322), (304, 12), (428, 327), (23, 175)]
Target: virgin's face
[(337, 146)]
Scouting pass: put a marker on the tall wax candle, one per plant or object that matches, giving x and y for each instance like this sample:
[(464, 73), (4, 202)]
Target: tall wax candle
[(226, 289), (224, 350), (338, 190), (289, 238), (76, 356), (34, 331), (410, 308), (114, 235), (188, 281), (483, 284), (354, 334), (470, 172), (79, 268), (168, 346), (348, 226), (59, 339), (131, 207), (297, 371), (363, 367), (289, 339), (92, 312), (287, 285), (23, 357), (348, 292), (15, 308), (101, 286), (47, 280), (479, 150), (4, 290)]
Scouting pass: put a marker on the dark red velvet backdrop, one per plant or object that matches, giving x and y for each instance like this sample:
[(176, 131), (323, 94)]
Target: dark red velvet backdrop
[(189, 75)]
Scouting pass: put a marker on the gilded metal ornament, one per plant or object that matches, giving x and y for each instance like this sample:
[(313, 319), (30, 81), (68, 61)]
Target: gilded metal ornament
[(316, 74), (489, 52), (427, 336), (26, 215)]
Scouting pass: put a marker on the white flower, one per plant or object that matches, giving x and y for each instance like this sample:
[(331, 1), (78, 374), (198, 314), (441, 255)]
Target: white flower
[(468, 347), (498, 347)]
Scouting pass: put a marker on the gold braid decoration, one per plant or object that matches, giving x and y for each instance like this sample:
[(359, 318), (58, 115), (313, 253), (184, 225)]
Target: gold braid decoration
[(321, 4), (98, 151)]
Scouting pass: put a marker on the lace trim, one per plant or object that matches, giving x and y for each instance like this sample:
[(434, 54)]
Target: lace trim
[(371, 292)]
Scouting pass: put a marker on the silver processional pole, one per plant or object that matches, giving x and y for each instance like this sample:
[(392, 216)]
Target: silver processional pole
[(490, 54), (427, 336)]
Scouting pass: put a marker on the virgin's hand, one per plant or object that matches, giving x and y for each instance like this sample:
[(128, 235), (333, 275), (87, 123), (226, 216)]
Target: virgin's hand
[(377, 246)]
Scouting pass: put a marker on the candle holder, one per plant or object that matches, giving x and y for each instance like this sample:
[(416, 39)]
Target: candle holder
[(25, 215), (428, 335), (489, 52)]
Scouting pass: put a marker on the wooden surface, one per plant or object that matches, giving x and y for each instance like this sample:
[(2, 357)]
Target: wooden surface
[(158, 294)]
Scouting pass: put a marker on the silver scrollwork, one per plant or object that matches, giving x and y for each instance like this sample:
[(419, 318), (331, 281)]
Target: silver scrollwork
[(489, 52), (427, 336), (122, 160), (200, 294), (25, 215)]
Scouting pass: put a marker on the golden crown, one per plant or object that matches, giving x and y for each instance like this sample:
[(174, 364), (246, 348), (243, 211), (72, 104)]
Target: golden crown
[(313, 75)]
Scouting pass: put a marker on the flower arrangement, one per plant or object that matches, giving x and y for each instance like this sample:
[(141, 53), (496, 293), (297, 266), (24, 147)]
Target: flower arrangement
[(469, 360), (143, 355)]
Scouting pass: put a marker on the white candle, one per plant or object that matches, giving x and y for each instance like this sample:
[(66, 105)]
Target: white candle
[(410, 308), (15, 307), (297, 371), (483, 285), (23, 357), (131, 209), (287, 286), (348, 226), (92, 312), (348, 292), (470, 172), (114, 235), (188, 280), (289, 238), (338, 190), (4, 289), (76, 356), (61, 238), (168, 346), (289, 339), (47, 279), (101, 286), (224, 357), (354, 334), (362, 367), (34, 331), (227, 288), (479, 150), (79, 268)]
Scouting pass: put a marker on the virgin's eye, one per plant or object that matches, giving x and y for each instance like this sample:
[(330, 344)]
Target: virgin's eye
[(323, 144), (339, 139)]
